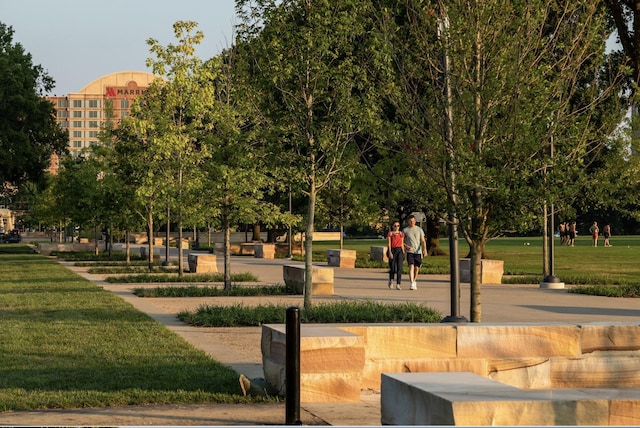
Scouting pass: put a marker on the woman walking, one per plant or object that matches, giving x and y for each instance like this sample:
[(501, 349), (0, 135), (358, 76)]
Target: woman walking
[(395, 252)]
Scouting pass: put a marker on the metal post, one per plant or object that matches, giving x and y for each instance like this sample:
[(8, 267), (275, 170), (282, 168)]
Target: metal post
[(443, 28), (292, 367)]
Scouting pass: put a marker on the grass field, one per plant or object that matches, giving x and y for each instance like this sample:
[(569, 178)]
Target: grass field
[(65, 342)]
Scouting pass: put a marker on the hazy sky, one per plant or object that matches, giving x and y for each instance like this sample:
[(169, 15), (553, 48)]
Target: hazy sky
[(78, 41)]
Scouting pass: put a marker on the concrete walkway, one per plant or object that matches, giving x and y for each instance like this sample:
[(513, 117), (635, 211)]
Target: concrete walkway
[(500, 304)]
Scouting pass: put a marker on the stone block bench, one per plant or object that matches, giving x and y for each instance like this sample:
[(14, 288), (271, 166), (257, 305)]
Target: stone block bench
[(470, 400), (202, 263), (378, 254), (491, 271), (264, 251), (341, 258), (321, 279)]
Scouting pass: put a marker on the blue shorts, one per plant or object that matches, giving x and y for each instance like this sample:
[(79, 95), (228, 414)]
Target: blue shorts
[(414, 259)]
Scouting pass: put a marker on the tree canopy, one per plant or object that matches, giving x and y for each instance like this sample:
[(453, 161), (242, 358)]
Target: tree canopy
[(29, 133)]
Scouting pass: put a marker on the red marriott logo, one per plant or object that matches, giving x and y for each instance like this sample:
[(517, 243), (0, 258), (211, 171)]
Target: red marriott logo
[(130, 91)]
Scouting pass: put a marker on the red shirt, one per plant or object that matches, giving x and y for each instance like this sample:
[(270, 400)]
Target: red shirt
[(397, 239)]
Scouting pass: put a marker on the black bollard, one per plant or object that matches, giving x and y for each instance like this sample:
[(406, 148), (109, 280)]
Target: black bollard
[(292, 367)]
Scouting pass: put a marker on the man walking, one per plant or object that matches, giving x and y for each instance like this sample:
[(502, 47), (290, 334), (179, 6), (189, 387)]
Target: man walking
[(416, 246)]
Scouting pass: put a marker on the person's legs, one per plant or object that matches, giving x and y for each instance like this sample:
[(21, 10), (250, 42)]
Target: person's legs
[(399, 259)]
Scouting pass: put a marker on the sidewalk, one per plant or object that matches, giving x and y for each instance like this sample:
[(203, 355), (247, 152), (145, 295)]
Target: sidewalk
[(500, 304)]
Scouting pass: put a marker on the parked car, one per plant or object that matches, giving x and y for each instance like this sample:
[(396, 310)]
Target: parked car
[(13, 237)]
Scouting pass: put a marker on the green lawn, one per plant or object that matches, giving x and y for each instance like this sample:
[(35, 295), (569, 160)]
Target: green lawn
[(582, 263), (65, 342)]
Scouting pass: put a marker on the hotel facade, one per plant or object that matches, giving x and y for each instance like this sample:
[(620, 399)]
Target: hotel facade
[(85, 112)]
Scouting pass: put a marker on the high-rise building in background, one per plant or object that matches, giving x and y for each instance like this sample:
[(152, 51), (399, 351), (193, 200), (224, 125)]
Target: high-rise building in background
[(84, 113)]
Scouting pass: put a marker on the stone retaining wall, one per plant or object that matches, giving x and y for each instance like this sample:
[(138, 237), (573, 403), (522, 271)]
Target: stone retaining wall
[(523, 355)]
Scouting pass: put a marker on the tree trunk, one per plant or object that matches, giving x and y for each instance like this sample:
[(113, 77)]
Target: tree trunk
[(433, 238), (127, 246), (256, 233), (226, 226), (308, 246), (150, 238), (476, 283)]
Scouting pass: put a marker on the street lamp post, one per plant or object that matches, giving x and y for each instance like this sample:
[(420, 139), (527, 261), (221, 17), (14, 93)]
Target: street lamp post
[(551, 280), (443, 28)]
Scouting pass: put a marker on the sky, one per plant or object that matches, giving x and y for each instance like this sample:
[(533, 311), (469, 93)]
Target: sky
[(78, 41)]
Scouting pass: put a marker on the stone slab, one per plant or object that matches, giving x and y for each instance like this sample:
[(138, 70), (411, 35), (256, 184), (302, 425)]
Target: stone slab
[(378, 254), (470, 400), (491, 271)]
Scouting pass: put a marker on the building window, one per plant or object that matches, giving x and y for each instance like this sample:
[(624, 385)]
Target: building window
[(124, 114), (93, 124), (63, 113), (77, 144), (93, 103), (77, 124), (63, 124), (77, 103), (77, 113), (93, 113), (63, 103), (77, 134), (124, 103), (93, 134)]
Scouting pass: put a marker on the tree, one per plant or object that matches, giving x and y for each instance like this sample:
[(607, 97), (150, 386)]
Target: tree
[(29, 133), (306, 58), (503, 103), (626, 17)]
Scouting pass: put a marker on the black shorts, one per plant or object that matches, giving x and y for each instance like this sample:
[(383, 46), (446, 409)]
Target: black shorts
[(414, 259)]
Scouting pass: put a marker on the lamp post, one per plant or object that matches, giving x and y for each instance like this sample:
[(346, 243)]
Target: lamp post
[(443, 29), (551, 280)]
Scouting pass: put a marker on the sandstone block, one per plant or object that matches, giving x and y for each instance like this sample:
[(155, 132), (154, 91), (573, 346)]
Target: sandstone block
[(264, 251), (202, 263), (606, 371), (331, 362), (321, 279), (518, 340), (378, 254), (609, 337), (491, 271), (468, 399), (341, 258)]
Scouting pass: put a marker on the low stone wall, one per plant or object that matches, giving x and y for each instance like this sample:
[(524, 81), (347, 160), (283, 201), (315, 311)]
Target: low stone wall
[(321, 279), (47, 248), (523, 355)]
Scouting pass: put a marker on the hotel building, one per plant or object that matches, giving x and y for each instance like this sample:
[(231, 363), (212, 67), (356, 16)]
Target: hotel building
[(84, 113)]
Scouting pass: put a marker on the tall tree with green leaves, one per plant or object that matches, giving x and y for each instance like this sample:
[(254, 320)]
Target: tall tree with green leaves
[(306, 57), (186, 100), (503, 102), (29, 133)]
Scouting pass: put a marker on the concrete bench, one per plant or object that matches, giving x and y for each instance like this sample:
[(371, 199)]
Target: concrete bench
[(491, 271), (47, 248), (341, 258), (321, 279), (264, 251), (378, 254), (471, 400), (202, 263)]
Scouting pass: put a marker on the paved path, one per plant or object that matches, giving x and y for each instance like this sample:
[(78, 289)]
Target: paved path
[(500, 304)]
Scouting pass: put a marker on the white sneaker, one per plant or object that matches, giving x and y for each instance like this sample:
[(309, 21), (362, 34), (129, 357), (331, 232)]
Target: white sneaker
[(413, 286), (398, 287)]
